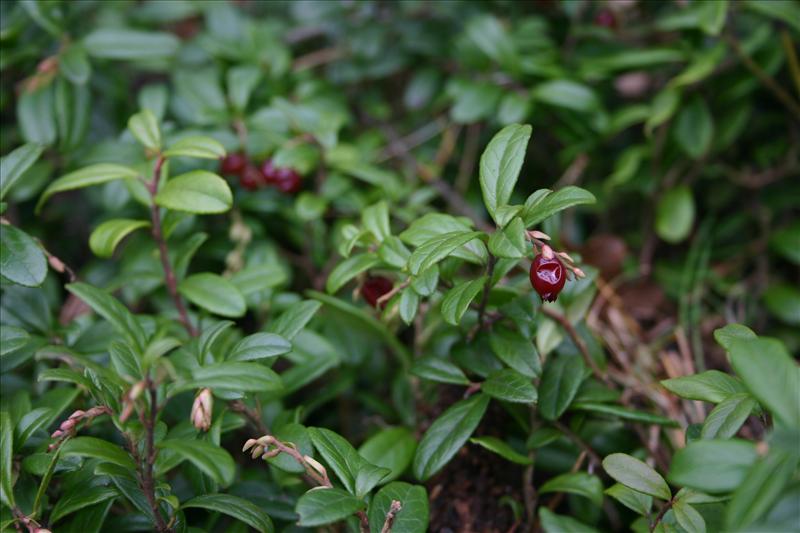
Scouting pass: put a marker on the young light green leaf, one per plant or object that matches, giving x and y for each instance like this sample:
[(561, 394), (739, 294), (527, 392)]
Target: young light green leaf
[(209, 458), (323, 505), (197, 146), (501, 448), (510, 241), (198, 191), (675, 214), (350, 268), (86, 177), (456, 301), (6, 459), (391, 448), (214, 293), (439, 247), (726, 418), (636, 475), (375, 219), (105, 238), (439, 369), (543, 203), (234, 506), (561, 379), (447, 434), (412, 517), (98, 449), (14, 165), (500, 165), (22, 261), (688, 517), (510, 386), (709, 386), (259, 346), (144, 126), (579, 483), (125, 44), (713, 466)]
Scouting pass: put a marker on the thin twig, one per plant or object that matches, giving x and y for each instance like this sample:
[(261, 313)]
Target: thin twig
[(151, 453), (394, 508), (666, 507), (252, 416)]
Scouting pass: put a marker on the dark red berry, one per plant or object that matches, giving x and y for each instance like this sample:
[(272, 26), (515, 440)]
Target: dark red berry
[(251, 178), (287, 180), (269, 171), (374, 287), (606, 19), (233, 164), (548, 277)]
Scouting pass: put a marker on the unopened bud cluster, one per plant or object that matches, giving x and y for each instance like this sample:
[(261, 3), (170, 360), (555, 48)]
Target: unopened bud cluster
[(68, 427), (201, 410)]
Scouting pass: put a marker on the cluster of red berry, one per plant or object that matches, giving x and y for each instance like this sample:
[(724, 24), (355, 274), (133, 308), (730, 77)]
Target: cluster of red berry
[(252, 177)]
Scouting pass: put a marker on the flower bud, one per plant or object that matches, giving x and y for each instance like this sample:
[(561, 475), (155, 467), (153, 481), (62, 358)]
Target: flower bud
[(201, 410)]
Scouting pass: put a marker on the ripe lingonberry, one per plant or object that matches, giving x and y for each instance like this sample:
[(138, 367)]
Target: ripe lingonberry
[(287, 180), (374, 287), (268, 170), (251, 178), (548, 277), (233, 164)]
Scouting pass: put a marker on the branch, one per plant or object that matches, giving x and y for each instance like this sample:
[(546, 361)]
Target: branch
[(151, 453), (394, 508), (661, 513), (169, 274)]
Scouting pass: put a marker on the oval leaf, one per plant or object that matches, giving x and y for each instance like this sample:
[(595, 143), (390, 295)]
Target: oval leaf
[(233, 506), (109, 234), (500, 165), (86, 177), (21, 259), (196, 146), (214, 294), (198, 191), (636, 475)]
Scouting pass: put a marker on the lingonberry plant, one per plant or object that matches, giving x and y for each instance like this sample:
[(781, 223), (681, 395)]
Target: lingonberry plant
[(368, 266)]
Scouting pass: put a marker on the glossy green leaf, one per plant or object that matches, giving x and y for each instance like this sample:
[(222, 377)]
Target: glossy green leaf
[(259, 346), (14, 165), (234, 506), (432, 225), (544, 203), (358, 475), (12, 338), (567, 94), (675, 214), (555, 523), (77, 500), (636, 475), (322, 505), (688, 517), (126, 44), (457, 300), (294, 319), (196, 146), (502, 449), (561, 379), (74, 64), (516, 351), (726, 418), (391, 448), (447, 434), (439, 369), (500, 165), (86, 177), (709, 386), (6, 459), (38, 418), (144, 126), (22, 261), (408, 305), (241, 81), (510, 241), (112, 310), (36, 116), (579, 483), (235, 376), (209, 458), (623, 413), (761, 487), (438, 248), (510, 386), (412, 517), (198, 192), (713, 466), (375, 219), (98, 449), (725, 337), (350, 268), (107, 236), (632, 499), (214, 294)]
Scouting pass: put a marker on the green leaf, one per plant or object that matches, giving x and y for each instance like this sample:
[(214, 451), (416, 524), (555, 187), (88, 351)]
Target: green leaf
[(259, 346), (350, 268), (31, 421), (664, 106), (562, 377), (393, 252), (375, 219), (489, 34), (439, 369), (412, 517), (112, 310), (72, 110), (294, 319), (86, 177), (675, 214), (447, 434), (14, 165), (556, 523), (214, 294), (12, 338), (770, 374), (500, 165), (197, 146), (784, 242), (98, 449), (358, 475), (207, 457), (516, 351), (544, 203), (241, 81), (632, 499), (235, 376), (580, 483), (510, 241), (726, 418), (786, 12), (75, 500), (438, 248), (21, 259), (198, 191), (456, 301), (432, 225), (783, 301), (688, 517), (501, 448), (125, 362), (713, 466), (109, 234), (712, 19), (36, 116), (726, 335), (710, 386), (144, 126), (409, 303), (322, 505), (132, 45), (623, 413), (694, 128), (567, 94), (636, 475), (510, 386), (762, 486), (391, 448), (74, 64), (6, 459), (45, 482), (233, 506)]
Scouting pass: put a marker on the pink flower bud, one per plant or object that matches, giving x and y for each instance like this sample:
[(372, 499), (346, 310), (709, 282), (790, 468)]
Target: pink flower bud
[(201, 410), (77, 414)]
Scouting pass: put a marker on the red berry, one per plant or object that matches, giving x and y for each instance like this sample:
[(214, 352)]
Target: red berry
[(233, 164), (251, 178), (374, 287), (548, 277), (268, 170), (287, 180), (606, 19)]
